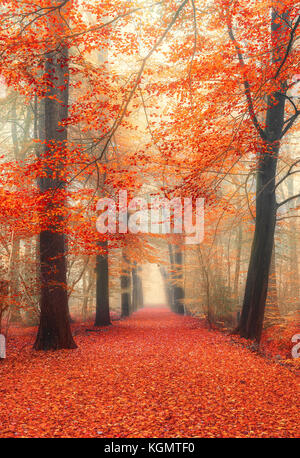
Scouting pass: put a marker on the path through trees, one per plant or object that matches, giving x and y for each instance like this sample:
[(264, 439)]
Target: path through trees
[(155, 374)]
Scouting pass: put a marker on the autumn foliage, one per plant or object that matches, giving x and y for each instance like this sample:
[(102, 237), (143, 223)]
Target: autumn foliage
[(174, 99), (139, 379)]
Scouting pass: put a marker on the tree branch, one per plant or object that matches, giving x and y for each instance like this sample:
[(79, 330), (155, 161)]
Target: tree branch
[(246, 85), (289, 46), (288, 200)]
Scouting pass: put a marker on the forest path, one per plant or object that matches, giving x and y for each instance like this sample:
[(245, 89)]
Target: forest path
[(155, 374)]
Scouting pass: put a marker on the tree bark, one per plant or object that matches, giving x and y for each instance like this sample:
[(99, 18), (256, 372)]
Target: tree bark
[(140, 295), (54, 328), (87, 286), (178, 289), (293, 248), (102, 288), (167, 286), (135, 286), (272, 308), (252, 316), (170, 279), (125, 288), (238, 263)]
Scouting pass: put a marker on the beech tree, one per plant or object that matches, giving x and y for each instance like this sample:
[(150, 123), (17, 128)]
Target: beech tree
[(270, 136), (54, 330)]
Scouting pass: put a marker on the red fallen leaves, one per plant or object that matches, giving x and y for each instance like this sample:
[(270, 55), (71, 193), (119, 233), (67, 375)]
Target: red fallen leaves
[(154, 375)]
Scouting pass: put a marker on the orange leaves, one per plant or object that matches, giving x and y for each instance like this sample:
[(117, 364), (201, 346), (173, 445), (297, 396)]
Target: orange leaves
[(154, 375)]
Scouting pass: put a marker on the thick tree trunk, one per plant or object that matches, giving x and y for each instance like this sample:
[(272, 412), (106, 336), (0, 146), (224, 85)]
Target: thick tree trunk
[(54, 329), (252, 315), (102, 288), (251, 322)]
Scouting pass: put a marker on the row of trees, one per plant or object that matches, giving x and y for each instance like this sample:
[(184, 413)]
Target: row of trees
[(63, 179), (195, 97), (239, 108)]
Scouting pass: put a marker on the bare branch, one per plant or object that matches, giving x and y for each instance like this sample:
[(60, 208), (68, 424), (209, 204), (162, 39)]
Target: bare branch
[(289, 172), (289, 122), (288, 200)]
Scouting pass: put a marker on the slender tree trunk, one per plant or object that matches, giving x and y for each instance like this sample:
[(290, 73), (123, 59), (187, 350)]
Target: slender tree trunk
[(238, 263), (4, 292), (206, 275), (178, 289), (87, 285), (140, 295), (170, 278), (14, 132), (54, 328), (30, 316), (102, 288), (14, 281), (293, 248), (125, 288), (272, 308), (167, 286), (135, 286)]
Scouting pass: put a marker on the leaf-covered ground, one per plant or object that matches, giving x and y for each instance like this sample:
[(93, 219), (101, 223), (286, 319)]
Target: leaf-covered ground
[(155, 374)]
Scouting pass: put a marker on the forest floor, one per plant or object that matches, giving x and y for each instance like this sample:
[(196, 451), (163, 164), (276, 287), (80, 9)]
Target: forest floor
[(155, 374)]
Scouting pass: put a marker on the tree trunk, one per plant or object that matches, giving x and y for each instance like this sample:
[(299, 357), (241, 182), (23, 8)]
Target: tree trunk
[(178, 289), (170, 279), (207, 286), (167, 286), (87, 286), (125, 288), (14, 281), (238, 263), (135, 286), (54, 328), (293, 248), (102, 288), (252, 315), (272, 308), (137, 289), (253, 310), (140, 295)]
